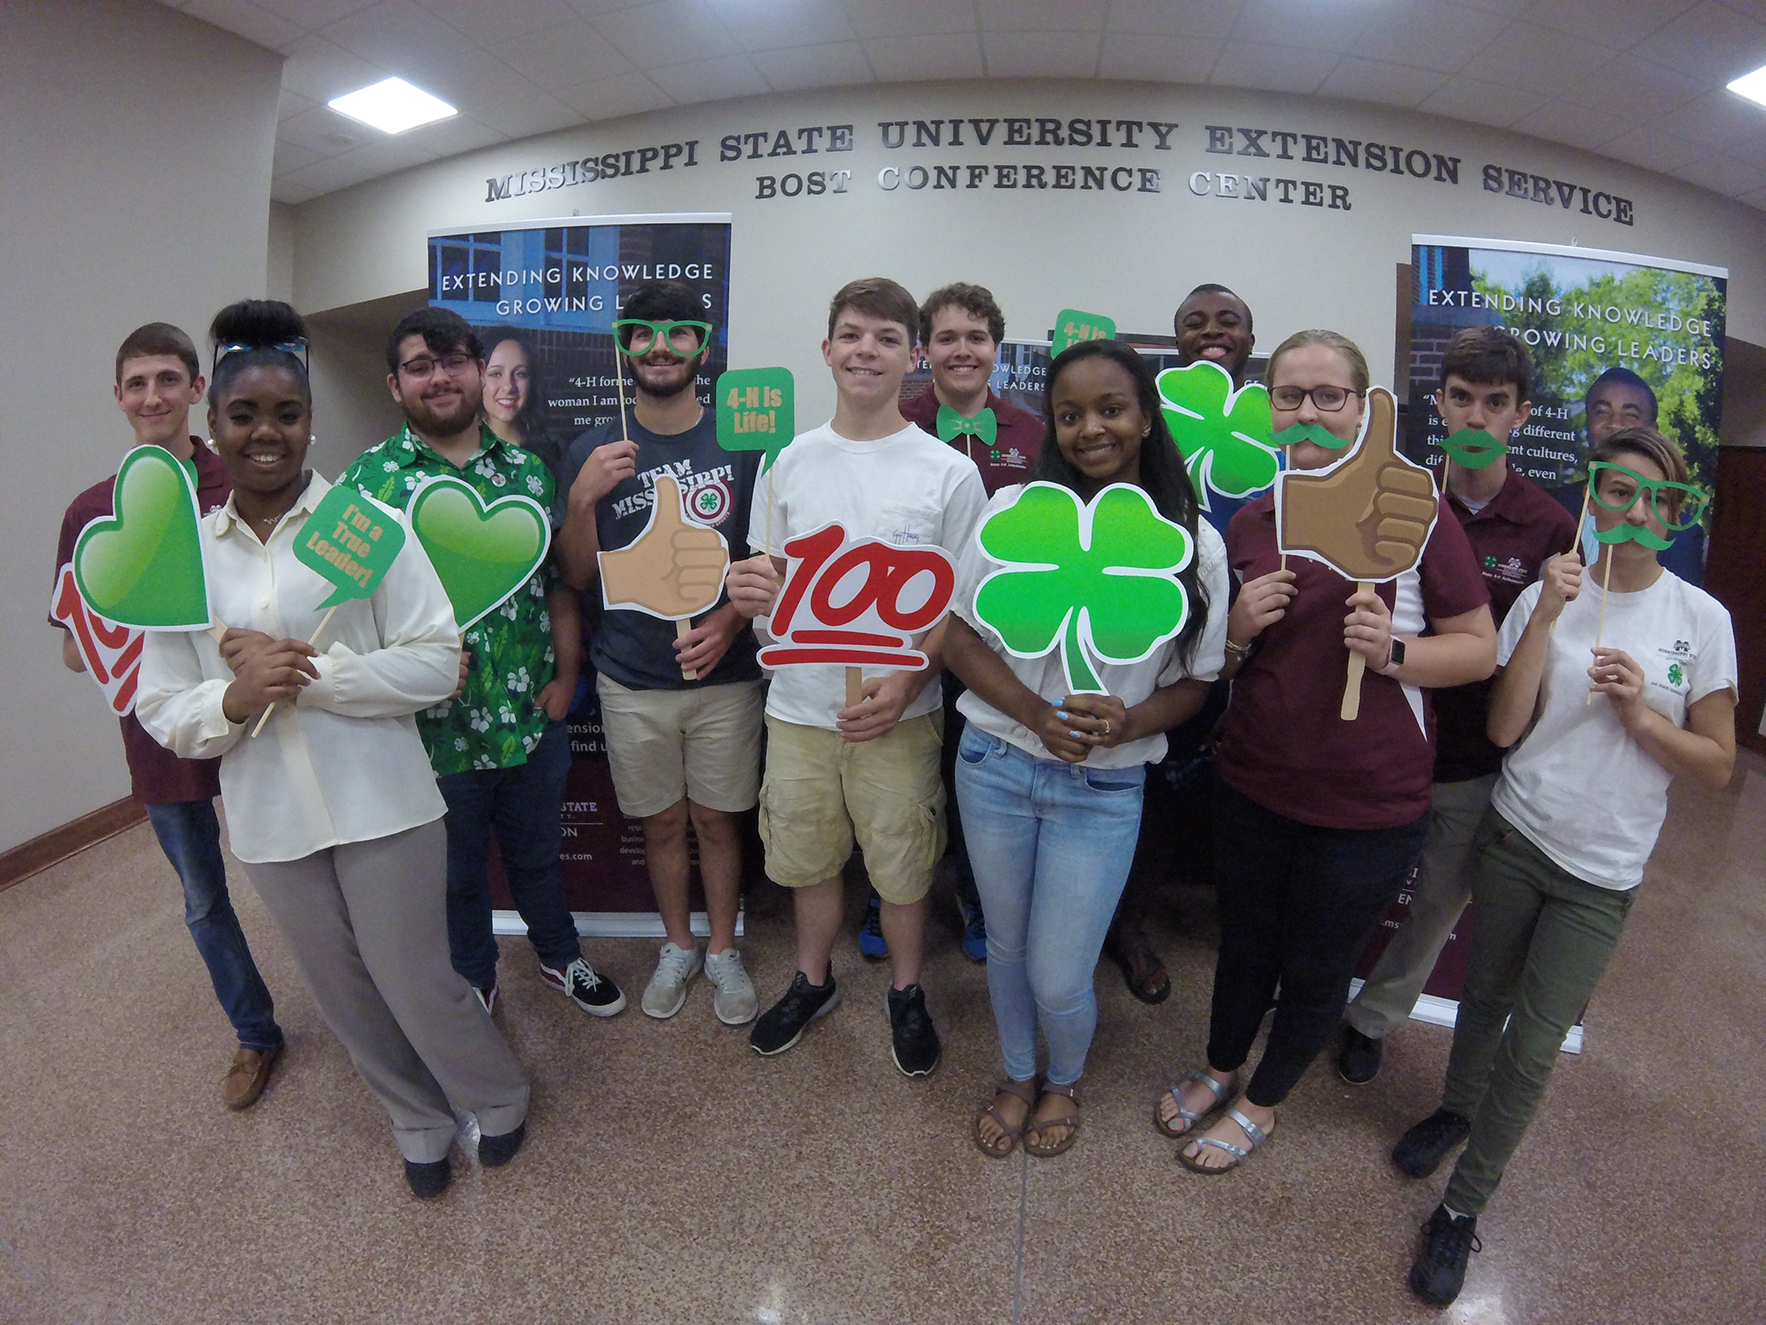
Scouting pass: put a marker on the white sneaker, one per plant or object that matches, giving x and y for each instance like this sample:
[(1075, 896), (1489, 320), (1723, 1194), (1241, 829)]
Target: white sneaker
[(667, 989), (735, 1002)]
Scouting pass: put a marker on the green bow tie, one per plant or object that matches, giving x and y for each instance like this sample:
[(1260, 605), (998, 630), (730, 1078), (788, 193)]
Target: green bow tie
[(952, 425)]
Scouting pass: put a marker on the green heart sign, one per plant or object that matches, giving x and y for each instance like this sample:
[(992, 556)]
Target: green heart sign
[(756, 411), (351, 541), (142, 566), (482, 553)]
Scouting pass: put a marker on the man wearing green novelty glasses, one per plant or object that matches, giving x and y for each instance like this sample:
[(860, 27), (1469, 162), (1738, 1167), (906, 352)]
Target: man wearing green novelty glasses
[(1514, 528)]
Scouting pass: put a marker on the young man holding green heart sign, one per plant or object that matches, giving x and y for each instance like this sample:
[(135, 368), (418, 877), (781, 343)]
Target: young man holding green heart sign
[(158, 379), (500, 749)]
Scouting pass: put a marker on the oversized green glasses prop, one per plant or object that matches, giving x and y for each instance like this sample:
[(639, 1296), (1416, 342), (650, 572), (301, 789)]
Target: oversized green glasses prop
[(681, 339), (1677, 505)]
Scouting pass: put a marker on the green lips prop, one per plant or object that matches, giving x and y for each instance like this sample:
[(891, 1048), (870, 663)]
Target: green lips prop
[(1474, 448), (143, 566), (483, 554), (1315, 433)]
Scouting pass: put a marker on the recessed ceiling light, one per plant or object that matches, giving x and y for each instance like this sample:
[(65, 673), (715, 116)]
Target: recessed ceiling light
[(392, 106), (1752, 86)]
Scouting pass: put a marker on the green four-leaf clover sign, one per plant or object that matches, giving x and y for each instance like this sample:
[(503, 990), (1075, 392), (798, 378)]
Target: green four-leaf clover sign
[(1097, 580), (1225, 435)]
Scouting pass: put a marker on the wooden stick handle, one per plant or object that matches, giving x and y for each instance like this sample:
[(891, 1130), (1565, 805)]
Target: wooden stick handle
[(317, 631), (1601, 624), (855, 687), (1581, 524), (1351, 709), (684, 626)]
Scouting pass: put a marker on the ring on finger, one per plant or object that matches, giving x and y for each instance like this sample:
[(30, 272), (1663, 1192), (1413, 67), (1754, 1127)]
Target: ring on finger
[(1106, 726)]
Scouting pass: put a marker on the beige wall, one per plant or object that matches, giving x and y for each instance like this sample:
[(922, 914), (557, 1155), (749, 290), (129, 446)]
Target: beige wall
[(134, 182), (1131, 255)]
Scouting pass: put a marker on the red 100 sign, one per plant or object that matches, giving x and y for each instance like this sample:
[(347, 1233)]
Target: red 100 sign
[(900, 591)]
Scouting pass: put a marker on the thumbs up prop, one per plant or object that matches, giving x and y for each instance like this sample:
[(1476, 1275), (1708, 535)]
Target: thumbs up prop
[(1368, 516), (673, 570)]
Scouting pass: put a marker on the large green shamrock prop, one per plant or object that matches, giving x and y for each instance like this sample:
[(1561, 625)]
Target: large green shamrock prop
[(350, 540), (483, 554), (1224, 435), (1098, 580), (142, 566)]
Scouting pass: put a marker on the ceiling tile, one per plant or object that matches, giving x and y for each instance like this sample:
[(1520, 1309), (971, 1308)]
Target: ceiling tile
[(610, 98), (1042, 15), (1723, 174), (460, 133), (778, 23), (1158, 57), (1302, 23), (292, 194), (323, 131), (1512, 8), (527, 114), (1620, 23), (491, 23), (339, 172), (244, 19), (668, 32), (389, 153), (1041, 54), (319, 71), (1278, 68), (1375, 80), (1720, 119), (470, 81), (315, 14), (905, 59), (1482, 103), (565, 56), (710, 80), (1161, 16), (1652, 149), (841, 64), (1755, 199), (1634, 88), (290, 156), (1428, 35), (1576, 126), (1710, 42), (398, 35), (292, 103), (1533, 57), (911, 18)]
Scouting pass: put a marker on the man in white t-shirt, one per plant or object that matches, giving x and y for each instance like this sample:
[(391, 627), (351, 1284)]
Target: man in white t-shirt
[(837, 772)]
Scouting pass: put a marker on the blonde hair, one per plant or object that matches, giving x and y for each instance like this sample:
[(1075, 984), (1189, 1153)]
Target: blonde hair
[(1333, 340)]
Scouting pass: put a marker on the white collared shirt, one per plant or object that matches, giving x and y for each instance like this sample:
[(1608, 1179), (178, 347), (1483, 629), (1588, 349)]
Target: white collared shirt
[(344, 763)]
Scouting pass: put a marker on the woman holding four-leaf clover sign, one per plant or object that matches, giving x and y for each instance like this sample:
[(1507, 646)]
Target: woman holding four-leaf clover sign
[(1318, 820), (1050, 781)]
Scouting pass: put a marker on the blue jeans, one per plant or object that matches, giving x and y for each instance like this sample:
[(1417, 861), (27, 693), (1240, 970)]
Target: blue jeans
[(1051, 844), (190, 835), (522, 804)]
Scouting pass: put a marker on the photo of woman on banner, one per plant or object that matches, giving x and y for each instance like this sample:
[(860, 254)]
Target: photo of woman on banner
[(515, 393), (1318, 820)]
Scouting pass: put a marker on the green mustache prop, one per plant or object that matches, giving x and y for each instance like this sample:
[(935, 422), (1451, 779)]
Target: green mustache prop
[(1310, 432), (1474, 448), (1634, 533)]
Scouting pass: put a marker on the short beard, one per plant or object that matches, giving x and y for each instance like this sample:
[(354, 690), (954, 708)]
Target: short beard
[(425, 419), (669, 392)]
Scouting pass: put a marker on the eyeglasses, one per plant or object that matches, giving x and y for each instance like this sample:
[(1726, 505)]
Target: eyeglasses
[(1330, 399), (1685, 501), (681, 339), (297, 347), (421, 368)]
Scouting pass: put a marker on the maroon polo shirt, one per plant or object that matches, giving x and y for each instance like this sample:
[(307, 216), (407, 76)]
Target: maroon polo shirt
[(1011, 458), (1282, 742), (1512, 538), (156, 775)]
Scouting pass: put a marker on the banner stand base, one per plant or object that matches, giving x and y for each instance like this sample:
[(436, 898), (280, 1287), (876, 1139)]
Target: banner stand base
[(1445, 1011), (619, 924)]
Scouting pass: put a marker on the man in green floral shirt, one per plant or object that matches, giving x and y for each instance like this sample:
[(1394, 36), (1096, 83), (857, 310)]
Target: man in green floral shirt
[(500, 748)]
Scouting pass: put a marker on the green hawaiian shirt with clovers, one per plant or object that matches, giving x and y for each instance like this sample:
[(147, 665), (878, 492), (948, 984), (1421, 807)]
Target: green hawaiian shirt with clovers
[(497, 720)]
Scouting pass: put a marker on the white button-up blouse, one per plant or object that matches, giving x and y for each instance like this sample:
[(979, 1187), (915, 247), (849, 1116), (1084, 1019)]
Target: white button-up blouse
[(344, 763)]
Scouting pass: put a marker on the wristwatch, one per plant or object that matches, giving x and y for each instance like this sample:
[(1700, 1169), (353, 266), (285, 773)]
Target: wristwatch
[(1395, 658)]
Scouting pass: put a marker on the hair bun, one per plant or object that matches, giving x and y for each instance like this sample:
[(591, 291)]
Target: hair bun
[(256, 323)]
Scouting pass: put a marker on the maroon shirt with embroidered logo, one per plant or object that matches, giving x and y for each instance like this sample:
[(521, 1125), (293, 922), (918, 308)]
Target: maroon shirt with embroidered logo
[(1512, 537), (1011, 458), (1282, 742), (156, 775)]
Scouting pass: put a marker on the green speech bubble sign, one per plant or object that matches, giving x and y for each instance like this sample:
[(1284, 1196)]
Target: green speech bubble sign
[(756, 411), (142, 565), (1224, 434), (1099, 581), (1073, 327), (350, 541), (483, 554)]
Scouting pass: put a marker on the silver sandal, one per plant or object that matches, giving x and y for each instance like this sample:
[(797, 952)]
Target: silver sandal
[(1220, 1091), (1255, 1134)]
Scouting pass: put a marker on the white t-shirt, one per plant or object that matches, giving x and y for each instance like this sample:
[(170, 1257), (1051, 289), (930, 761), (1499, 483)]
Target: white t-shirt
[(1577, 785), (909, 489), (1129, 682)]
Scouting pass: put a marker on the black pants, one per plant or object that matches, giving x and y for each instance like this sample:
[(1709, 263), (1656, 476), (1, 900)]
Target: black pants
[(1297, 905)]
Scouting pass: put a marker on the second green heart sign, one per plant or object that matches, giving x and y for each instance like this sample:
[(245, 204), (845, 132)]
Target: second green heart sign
[(483, 554)]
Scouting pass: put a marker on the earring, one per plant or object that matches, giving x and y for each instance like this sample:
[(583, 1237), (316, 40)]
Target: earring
[(312, 437)]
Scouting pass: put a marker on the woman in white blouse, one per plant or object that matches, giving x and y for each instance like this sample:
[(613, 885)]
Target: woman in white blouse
[(332, 807)]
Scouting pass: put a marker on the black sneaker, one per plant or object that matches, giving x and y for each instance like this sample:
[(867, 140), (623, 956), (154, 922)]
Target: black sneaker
[(428, 1180), (1439, 1271), (781, 1025), (1419, 1151), (496, 1151), (915, 1044), (1358, 1062), (596, 995)]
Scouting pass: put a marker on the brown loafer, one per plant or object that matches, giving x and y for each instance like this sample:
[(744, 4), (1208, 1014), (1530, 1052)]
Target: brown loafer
[(246, 1079)]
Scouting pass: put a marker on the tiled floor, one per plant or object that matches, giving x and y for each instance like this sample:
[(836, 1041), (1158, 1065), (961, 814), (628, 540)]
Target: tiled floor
[(670, 1175)]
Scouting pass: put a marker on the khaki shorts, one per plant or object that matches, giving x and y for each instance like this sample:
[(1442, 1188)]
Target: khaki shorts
[(666, 745), (822, 791)]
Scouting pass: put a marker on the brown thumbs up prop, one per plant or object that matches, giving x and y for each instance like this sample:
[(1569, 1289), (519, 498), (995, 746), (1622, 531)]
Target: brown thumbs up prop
[(673, 570), (1368, 516)]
